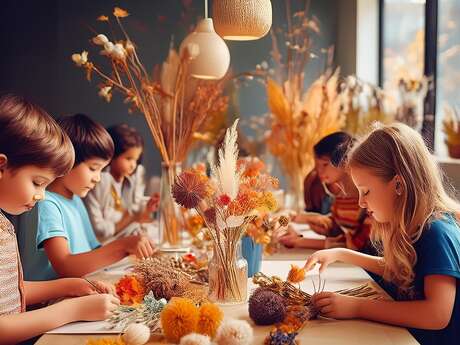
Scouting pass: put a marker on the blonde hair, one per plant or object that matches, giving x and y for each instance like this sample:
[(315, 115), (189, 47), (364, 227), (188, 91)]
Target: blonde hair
[(393, 150)]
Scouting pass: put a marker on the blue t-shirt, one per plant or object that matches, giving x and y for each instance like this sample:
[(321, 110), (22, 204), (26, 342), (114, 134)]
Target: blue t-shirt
[(59, 217), (438, 252)]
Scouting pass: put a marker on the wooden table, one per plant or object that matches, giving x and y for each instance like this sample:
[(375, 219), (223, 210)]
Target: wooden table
[(318, 332)]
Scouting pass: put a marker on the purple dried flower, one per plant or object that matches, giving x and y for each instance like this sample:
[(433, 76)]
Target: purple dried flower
[(266, 307)]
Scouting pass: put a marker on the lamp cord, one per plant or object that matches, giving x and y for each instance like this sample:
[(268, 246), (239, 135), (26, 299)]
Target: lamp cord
[(206, 8)]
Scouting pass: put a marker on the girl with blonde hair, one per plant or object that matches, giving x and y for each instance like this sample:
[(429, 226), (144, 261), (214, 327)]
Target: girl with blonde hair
[(415, 228)]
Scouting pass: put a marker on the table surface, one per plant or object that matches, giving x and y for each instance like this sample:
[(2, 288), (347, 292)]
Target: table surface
[(318, 332)]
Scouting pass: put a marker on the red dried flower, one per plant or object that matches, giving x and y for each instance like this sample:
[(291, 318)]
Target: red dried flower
[(210, 215), (224, 200), (189, 189)]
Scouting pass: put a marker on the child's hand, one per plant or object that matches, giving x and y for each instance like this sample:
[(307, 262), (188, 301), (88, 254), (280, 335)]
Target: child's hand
[(153, 203), (144, 216), (76, 287), (290, 240), (335, 242), (320, 224), (323, 257), (336, 306), (93, 307), (140, 245), (103, 287)]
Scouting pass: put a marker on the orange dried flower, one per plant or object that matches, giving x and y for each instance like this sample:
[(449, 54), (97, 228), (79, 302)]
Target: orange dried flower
[(178, 318), (130, 290), (210, 319), (189, 189), (296, 274)]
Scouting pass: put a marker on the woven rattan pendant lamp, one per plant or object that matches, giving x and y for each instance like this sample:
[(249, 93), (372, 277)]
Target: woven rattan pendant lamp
[(242, 20)]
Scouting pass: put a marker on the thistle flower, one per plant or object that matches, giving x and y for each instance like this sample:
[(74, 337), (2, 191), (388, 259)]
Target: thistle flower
[(296, 274), (189, 189), (80, 59)]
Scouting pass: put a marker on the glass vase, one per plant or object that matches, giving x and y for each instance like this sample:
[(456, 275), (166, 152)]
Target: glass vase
[(228, 275), (171, 219)]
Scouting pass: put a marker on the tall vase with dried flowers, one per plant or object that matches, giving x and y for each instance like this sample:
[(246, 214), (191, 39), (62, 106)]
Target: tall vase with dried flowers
[(227, 203), (299, 117), (174, 105)]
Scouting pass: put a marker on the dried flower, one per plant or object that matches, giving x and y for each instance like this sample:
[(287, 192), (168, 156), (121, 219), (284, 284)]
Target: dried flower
[(130, 290), (296, 274), (210, 319), (100, 40), (120, 13), (119, 52), (102, 18), (189, 189), (105, 92), (195, 339), (210, 215), (234, 332), (224, 200), (179, 318), (266, 307), (80, 59)]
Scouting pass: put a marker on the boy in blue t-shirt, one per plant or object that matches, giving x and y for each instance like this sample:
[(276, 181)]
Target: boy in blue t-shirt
[(64, 229)]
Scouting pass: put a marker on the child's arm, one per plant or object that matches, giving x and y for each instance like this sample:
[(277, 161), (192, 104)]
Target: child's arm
[(434, 312), (67, 264), (41, 291), (325, 257), (18, 327)]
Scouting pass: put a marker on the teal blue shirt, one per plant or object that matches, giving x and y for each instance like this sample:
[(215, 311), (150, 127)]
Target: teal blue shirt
[(438, 252), (59, 217)]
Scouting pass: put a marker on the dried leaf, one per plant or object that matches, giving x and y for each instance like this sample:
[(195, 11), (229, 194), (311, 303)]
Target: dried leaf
[(120, 13), (103, 18)]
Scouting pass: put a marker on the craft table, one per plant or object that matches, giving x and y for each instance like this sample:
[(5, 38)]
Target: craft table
[(318, 332)]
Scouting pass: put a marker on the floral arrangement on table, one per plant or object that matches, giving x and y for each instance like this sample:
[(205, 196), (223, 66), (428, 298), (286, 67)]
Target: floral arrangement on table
[(227, 202), (265, 229), (451, 129), (362, 104), (299, 116), (174, 105)]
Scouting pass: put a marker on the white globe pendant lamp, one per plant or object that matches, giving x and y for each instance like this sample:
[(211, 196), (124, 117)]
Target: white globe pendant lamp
[(213, 58), (242, 20)]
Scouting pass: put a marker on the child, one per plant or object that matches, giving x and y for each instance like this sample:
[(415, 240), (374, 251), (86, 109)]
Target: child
[(401, 187), (116, 205), (64, 229), (33, 151), (347, 225)]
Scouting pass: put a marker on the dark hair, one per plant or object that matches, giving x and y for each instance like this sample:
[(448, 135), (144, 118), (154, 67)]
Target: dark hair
[(124, 138), (334, 146), (89, 138), (30, 136)]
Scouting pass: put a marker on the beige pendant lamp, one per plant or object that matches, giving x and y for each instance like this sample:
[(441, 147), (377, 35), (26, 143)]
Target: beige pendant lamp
[(213, 58), (242, 20)]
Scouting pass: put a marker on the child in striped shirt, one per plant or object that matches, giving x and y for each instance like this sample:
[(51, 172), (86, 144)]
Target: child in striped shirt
[(347, 225), (33, 152)]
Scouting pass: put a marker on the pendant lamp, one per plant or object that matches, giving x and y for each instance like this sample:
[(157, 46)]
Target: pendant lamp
[(213, 59), (242, 20)]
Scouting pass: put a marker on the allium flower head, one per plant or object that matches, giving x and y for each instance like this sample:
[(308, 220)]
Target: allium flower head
[(189, 189)]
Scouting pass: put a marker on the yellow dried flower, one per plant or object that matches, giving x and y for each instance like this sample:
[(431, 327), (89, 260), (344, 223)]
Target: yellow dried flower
[(267, 202), (296, 274), (120, 13)]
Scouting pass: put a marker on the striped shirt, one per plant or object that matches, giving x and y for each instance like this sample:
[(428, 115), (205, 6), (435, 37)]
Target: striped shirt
[(347, 213), (12, 299)]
